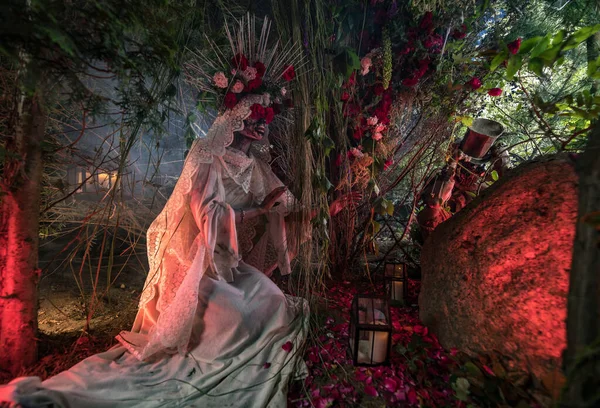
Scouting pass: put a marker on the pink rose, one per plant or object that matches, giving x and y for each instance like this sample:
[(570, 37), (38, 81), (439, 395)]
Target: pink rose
[(365, 65), (249, 73), (220, 80), (283, 91), (237, 87), (380, 128), (410, 81), (495, 92), (377, 136), (372, 121), (354, 152)]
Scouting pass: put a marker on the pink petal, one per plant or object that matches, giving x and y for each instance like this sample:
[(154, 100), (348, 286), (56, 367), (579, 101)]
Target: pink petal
[(370, 390), (489, 370), (400, 395), (288, 346), (390, 385), (412, 397), (361, 376), (267, 365)]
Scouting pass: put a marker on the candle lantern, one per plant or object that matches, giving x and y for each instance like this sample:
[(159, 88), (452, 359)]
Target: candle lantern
[(370, 331), (396, 283)]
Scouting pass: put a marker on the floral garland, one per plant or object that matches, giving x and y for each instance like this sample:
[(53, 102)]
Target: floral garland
[(252, 69), (249, 78)]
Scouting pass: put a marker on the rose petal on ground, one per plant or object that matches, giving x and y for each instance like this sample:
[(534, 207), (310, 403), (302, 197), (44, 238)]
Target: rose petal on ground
[(370, 390)]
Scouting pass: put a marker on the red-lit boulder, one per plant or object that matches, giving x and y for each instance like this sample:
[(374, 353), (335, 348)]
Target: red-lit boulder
[(495, 276)]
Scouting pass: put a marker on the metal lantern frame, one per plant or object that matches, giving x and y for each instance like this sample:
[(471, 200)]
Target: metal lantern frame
[(392, 274), (361, 331)]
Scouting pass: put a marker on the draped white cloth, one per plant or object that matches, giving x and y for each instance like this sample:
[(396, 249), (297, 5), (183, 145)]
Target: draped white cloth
[(211, 328)]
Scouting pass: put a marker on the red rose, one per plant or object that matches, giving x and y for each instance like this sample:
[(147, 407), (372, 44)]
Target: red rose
[(257, 112), (427, 21), (379, 89), (474, 83), (230, 100), (358, 133), (460, 34), (407, 49), (345, 96), (269, 115), (252, 85), (382, 116), (289, 73), (410, 81), (514, 46), (338, 160), (351, 109), (495, 92), (433, 41), (260, 68), (240, 62), (351, 81)]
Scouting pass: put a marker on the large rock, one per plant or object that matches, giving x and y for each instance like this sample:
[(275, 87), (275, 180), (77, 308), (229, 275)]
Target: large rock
[(496, 275)]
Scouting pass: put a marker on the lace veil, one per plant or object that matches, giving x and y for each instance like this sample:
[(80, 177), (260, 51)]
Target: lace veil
[(176, 245)]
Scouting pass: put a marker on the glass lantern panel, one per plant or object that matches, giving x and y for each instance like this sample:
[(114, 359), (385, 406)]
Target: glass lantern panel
[(352, 337), (372, 347), (397, 291), (372, 311), (394, 270)]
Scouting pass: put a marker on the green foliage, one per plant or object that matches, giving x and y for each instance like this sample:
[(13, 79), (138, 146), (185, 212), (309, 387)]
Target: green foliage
[(59, 43)]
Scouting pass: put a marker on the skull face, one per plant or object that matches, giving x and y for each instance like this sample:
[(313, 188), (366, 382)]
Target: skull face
[(254, 129)]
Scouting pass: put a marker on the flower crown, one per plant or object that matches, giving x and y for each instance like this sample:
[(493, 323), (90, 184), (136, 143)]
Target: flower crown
[(248, 67)]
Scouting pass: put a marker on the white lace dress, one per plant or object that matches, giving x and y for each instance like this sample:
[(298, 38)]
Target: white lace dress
[(244, 332)]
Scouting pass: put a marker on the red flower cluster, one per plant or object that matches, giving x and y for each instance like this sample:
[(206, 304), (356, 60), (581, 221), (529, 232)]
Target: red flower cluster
[(230, 100), (434, 42), (459, 34), (260, 112), (427, 22), (474, 83), (383, 109), (253, 84), (514, 46), (495, 92), (240, 62), (414, 78), (289, 73)]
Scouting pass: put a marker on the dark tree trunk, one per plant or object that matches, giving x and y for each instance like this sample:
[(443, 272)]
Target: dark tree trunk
[(582, 358), (20, 202)]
